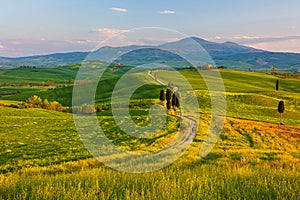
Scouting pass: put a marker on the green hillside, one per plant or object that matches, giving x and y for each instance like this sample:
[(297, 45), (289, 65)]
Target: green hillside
[(38, 75), (250, 95)]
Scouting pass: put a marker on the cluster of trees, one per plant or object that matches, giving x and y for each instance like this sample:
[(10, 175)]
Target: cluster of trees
[(171, 98), (37, 102), (28, 67), (208, 67)]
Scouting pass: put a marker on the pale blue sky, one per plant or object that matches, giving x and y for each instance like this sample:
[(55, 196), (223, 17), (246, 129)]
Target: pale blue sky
[(39, 26)]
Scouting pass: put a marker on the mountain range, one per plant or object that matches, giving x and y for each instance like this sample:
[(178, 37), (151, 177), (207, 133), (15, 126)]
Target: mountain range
[(197, 50)]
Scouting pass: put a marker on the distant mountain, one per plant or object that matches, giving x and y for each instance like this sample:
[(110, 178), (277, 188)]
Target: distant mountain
[(214, 49), (197, 50), (287, 61), (45, 61)]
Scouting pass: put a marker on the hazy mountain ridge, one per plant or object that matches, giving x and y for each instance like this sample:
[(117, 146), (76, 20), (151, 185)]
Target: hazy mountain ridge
[(230, 54), (50, 60)]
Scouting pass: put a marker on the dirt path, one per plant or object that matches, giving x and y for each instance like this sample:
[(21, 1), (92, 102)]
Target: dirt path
[(192, 123)]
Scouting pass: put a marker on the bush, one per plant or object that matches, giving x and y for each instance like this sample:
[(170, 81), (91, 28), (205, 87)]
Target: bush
[(13, 106), (104, 107), (35, 102), (54, 105), (46, 104)]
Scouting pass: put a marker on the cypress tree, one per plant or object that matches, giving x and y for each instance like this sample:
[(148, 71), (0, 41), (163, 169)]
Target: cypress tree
[(162, 95), (169, 94), (177, 100), (174, 100), (169, 98), (169, 105), (281, 110)]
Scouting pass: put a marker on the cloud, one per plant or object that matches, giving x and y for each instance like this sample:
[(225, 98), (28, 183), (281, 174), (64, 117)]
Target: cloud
[(260, 39), (273, 43), (119, 36), (119, 9), (167, 12), (279, 46), (109, 31), (269, 43), (87, 41), (246, 37), (157, 40), (1, 46)]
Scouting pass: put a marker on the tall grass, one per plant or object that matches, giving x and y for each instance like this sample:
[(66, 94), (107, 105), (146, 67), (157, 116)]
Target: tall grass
[(188, 181)]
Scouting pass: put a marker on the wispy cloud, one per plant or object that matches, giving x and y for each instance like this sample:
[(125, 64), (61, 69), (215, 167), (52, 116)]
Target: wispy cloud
[(119, 9), (270, 43), (245, 39), (109, 31), (157, 40), (251, 40), (167, 12), (278, 46), (80, 41)]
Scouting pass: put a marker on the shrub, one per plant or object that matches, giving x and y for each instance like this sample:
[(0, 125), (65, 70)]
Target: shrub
[(102, 107), (13, 106), (35, 102), (54, 105), (24, 105), (46, 104)]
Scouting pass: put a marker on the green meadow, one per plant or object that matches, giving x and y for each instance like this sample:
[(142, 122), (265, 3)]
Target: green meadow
[(42, 155)]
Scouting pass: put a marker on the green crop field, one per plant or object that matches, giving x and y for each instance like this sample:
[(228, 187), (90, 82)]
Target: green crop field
[(43, 157), (60, 75)]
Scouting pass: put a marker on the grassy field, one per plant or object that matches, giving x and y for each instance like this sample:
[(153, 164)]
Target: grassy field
[(38, 75), (42, 156), (60, 75), (252, 160), (249, 95)]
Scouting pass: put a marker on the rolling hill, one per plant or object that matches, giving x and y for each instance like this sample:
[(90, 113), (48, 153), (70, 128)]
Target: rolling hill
[(250, 95), (43, 157)]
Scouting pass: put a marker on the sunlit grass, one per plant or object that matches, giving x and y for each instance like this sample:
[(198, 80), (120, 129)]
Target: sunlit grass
[(42, 156)]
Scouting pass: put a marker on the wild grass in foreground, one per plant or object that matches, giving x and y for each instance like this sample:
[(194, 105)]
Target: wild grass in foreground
[(252, 160), (188, 180)]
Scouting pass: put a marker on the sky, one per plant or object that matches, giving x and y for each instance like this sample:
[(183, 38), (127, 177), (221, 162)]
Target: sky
[(34, 27)]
